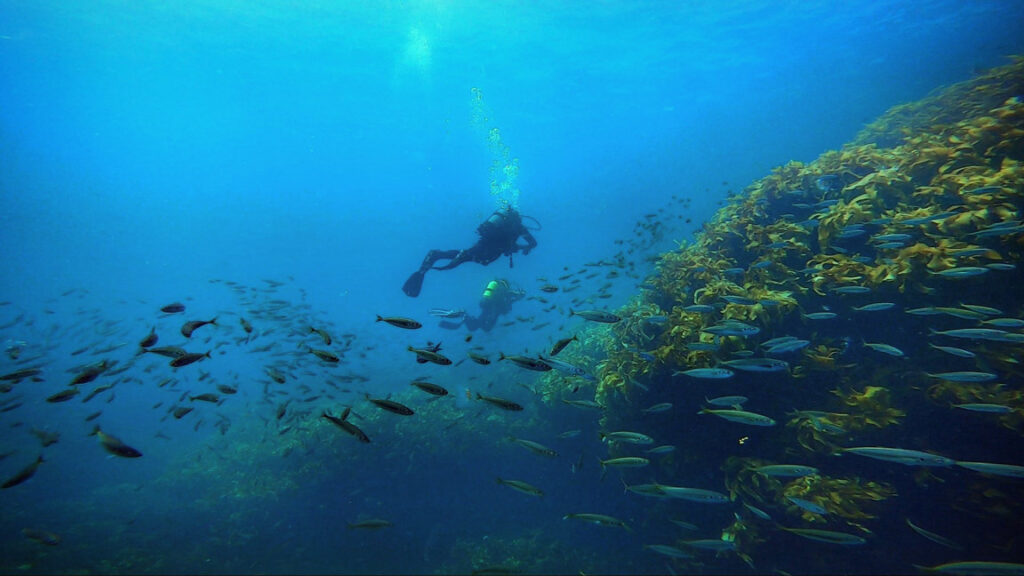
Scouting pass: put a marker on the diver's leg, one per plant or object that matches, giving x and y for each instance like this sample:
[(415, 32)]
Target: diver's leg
[(487, 320), (471, 323), (449, 325), (435, 255), (414, 283), (455, 257)]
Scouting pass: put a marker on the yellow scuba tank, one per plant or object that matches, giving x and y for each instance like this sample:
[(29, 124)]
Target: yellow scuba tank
[(489, 291)]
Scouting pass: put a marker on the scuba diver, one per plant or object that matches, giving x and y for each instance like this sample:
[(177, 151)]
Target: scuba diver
[(496, 300), (499, 235)]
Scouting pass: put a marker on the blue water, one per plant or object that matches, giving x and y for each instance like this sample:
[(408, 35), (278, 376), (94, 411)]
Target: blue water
[(192, 151)]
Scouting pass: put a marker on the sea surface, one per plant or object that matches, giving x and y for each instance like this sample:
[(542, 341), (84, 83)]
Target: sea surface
[(280, 168)]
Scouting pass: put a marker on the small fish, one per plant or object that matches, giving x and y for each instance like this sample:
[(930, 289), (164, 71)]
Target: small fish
[(96, 391), (173, 308), (901, 456), (561, 344), (740, 416), (114, 445), (828, 536), (732, 328), (666, 550), (820, 315), (703, 346), (549, 288), (191, 326), (372, 524), (990, 334), (63, 395), (965, 376), (520, 486), (709, 373), (275, 375), (323, 335), (694, 494), (663, 449), (23, 475), (407, 323), (713, 544), (205, 397), (478, 358), (727, 401), (758, 365), (535, 364), (885, 349), (786, 470), (823, 425), (941, 540), (757, 512), (985, 310), (599, 519), (660, 407), (1009, 470), (596, 316), (1005, 322), (874, 307), (347, 426), (977, 567), (965, 313), (623, 462), (685, 525), (954, 351), (535, 447), (179, 412), (739, 300), (626, 437), (961, 272), (245, 325), (430, 388), (90, 373), (570, 434), (391, 406), (167, 351), (189, 358), (325, 355), (981, 407), (567, 368), (807, 505), (21, 374), (788, 346), (700, 308), (583, 404), (150, 338), (429, 355), (969, 252), (891, 237), (500, 402)]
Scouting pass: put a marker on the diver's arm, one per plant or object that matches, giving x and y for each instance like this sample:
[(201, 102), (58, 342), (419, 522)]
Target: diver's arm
[(531, 242)]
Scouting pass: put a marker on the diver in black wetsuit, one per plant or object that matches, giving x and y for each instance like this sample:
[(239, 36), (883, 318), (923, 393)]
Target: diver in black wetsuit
[(497, 299), (499, 235)]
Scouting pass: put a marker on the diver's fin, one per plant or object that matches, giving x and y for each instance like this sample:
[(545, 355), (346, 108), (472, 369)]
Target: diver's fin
[(413, 285)]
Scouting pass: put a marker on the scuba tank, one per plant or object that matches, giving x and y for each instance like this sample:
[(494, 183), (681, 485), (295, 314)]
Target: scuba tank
[(489, 291)]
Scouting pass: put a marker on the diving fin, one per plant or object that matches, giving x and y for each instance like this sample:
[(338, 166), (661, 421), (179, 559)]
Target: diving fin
[(413, 285)]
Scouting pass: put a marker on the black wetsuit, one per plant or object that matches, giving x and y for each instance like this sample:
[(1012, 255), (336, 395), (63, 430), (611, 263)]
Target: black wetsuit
[(499, 236)]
